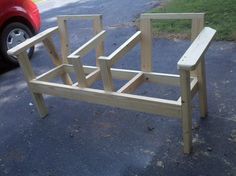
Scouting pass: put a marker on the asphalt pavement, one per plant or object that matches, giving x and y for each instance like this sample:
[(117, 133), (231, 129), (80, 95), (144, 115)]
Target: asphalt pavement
[(84, 139)]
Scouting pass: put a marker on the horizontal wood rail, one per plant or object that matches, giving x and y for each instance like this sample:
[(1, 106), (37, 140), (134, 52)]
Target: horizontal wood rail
[(125, 74), (133, 102), (171, 16), (79, 17)]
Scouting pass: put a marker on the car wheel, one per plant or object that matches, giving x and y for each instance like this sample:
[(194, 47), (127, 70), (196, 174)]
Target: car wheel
[(12, 35)]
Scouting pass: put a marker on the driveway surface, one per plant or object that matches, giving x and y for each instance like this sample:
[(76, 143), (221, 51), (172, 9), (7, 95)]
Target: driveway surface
[(82, 139)]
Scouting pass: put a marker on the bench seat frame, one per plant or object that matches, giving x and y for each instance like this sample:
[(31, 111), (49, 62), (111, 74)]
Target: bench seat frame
[(191, 79)]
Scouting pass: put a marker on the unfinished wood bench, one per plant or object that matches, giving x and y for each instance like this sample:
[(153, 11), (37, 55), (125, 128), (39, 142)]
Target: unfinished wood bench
[(191, 68)]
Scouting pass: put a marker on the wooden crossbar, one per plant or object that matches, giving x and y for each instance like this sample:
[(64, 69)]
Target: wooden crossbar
[(133, 102), (171, 16), (126, 74), (79, 17), (92, 77), (130, 86), (91, 44), (51, 74)]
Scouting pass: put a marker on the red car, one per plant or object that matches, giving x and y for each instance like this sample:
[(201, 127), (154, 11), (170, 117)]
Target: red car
[(19, 20)]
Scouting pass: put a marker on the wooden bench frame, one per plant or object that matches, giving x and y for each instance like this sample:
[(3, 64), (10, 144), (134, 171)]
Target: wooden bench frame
[(191, 68)]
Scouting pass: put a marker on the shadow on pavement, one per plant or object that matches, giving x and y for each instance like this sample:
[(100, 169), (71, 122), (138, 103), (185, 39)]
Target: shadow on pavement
[(5, 67)]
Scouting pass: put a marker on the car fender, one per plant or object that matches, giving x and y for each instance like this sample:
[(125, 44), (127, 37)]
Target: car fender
[(18, 12)]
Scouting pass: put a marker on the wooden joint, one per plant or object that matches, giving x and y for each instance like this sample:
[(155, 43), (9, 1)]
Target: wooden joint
[(124, 48), (32, 41), (79, 70), (192, 56), (132, 85), (104, 65), (91, 44)]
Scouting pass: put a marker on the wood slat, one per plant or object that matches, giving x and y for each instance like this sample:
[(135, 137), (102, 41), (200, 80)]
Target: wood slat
[(133, 102), (92, 77), (79, 17), (125, 74), (166, 16), (51, 74), (162, 78), (132, 85)]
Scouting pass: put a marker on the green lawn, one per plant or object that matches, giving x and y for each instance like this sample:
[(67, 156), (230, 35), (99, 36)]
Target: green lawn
[(220, 15), (37, 0)]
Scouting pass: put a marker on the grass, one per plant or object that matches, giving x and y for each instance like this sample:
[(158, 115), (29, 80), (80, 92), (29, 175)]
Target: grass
[(37, 0), (220, 15)]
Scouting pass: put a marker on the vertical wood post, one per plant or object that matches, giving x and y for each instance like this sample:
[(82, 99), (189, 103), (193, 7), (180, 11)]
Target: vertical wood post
[(186, 110), (24, 62), (202, 88), (106, 74), (146, 44), (98, 27), (65, 45), (197, 26), (79, 70), (48, 43)]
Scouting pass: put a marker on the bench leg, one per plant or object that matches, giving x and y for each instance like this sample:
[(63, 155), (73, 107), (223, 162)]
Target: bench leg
[(186, 110), (29, 75), (40, 104), (202, 89)]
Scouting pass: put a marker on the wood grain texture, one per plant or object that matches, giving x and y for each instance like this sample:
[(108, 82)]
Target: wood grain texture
[(132, 84), (32, 41), (186, 110), (192, 56), (146, 45), (133, 102)]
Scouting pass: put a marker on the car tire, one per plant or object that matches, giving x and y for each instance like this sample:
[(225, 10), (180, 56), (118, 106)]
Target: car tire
[(13, 34)]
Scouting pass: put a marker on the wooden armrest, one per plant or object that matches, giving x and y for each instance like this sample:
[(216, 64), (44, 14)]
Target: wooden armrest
[(91, 44), (192, 56), (79, 17), (32, 41), (123, 49)]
